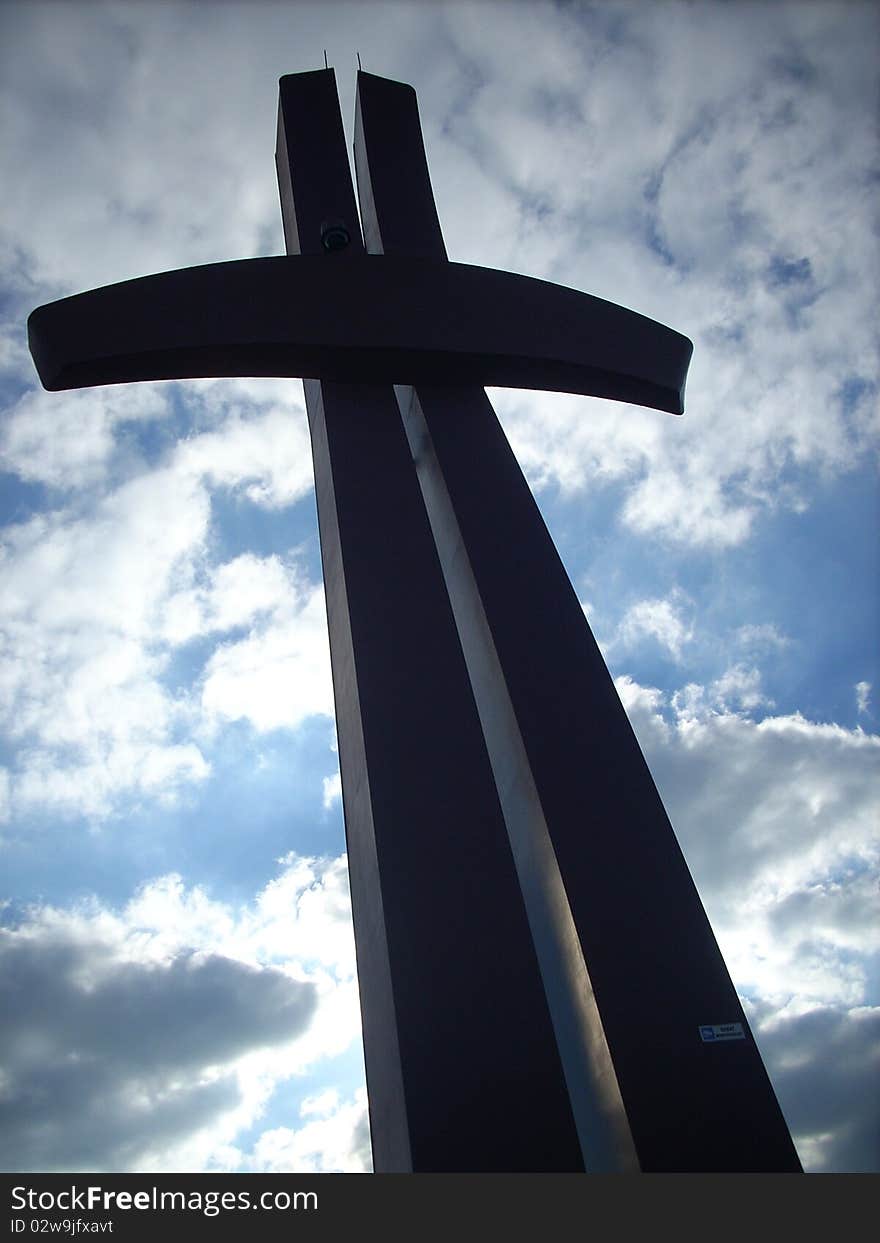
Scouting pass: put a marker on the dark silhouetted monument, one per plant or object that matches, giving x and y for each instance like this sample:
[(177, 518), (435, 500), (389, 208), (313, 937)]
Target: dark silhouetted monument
[(540, 986)]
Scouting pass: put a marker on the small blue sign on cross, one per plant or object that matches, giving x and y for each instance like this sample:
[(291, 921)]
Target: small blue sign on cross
[(722, 1031)]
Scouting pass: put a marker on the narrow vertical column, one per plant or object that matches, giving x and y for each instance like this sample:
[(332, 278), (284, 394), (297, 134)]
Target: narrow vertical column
[(463, 1072), (631, 968)]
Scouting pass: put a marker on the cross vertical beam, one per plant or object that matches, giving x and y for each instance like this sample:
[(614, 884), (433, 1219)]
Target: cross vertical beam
[(463, 1071), (631, 968)]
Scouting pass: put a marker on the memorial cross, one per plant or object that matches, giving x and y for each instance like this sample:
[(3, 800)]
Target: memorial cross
[(540, 986)]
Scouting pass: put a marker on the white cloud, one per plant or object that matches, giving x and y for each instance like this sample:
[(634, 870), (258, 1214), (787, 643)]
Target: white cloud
[(100, 594), (761, 267), (83, 698), (319, 894), (266, 456), (688, 503), (778, 821), (67, 570), (68, 439), (215, 193), (760, 637), (863, 696), (658, 619), (332, 790), (737, 690), (93, 784), (231, 595), (335, 1138), (777, 140), (278, 675)]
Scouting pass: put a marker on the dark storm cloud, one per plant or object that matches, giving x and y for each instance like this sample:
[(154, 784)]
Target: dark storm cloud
[(826, 1070), (103, 1060)]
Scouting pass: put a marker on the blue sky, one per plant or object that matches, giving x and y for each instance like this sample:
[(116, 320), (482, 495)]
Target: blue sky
[(175, 948)]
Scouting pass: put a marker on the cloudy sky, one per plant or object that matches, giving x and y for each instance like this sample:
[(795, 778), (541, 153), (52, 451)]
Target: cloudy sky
[(176, 953)]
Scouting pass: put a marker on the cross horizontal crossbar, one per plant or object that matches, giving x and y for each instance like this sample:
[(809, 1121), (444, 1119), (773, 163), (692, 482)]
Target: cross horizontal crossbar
[(359, 318)]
